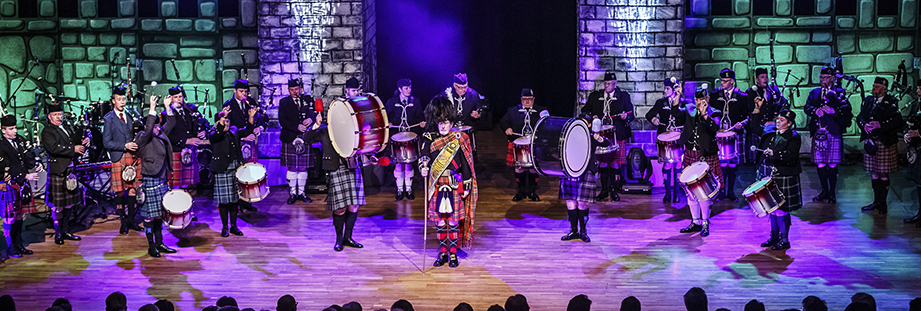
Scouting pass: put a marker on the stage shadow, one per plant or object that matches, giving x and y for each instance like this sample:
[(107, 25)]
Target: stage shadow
[(657, 256), (816, 213), (767, 264)]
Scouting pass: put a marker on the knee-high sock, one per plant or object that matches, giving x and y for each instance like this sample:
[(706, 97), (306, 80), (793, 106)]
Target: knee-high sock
[(224, 209), (8, 233), (884, 191), (575, 218), (292, 182), (729, 174), (615, 178), (875, 184), (233, 210), (667, 180), (583, 220), (398, 176), (350, 219), (158, 230), (17, 232), (832, 180), (301, 182), (705, 210), (694, 207), (65, 220), (339, 223), (676, 188), (520, 177), (149, 231), (453, 234), (603, 174), (823, 178), (775, 226), (56, 219), (784, 226), (532, 179), (442, 233), (132, 208), (408, 175)]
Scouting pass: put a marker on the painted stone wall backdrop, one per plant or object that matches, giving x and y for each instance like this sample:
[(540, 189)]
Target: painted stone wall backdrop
[(870, 44)]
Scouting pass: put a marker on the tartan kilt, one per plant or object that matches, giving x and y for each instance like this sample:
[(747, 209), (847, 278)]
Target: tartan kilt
[(226, 189), (297, 162), (11, 200), (763, 171), (57, 194), (619, 156), (792, 192), (510, 156), (831, 154), (154, 189), (457, 203), (182, 175), (345, 187), (692, 156), (582, 189), (740, 151), (885, 161), (117, 184)]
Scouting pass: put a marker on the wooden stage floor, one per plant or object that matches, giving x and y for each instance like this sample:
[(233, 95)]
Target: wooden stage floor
[(636, 249)]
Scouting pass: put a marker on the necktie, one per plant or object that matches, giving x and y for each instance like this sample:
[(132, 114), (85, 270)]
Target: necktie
[(14, 144), (122, 116)]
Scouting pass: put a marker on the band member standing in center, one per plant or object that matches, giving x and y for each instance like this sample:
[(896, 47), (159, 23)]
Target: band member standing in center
[(184, 133), (240, 104), (767, 101), (699, 139), (736, 111), (614, 107), (781, 155), (829, 117), (668, 112), (447, 158), (405, 113), (226, 158), (15, 161), (580, 192), (519, 121), (880, 122), (155, 150), (58, 141), (118, 139), (296, 115)]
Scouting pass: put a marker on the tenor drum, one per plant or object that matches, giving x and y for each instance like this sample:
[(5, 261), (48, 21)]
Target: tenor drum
[(699, 182), (522, 154), (358, 125), (405, 147), (469, 131), (764, 197), (251, 179), (670, 151), (726, 141), (178, 206), (607, 131), (561, 147)]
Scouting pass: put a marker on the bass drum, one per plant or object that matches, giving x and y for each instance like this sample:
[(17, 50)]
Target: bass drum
[(561, 147), (358, 125)]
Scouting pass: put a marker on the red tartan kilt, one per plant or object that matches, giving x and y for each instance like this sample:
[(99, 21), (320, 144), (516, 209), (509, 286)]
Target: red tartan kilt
[(117, 184), (510, 156), (458, 202), (183, 175), (13, 206), (691, 156), (619, 156)]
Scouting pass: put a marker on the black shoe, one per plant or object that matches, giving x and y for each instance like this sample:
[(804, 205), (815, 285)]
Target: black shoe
[(667, 198), (882, 209), (292, 198), (441, 260), (584, 237), (452, 261), (399, 195), (782, 245), (732, 197), (134, 226), (614, 196), (58, 239), (164, 249), (518, 197), (236, 231), (676, 199), (247, 206), (913, 219), (572, 235), (693, 227), (533, 196), (337, 247), (305, 198), (70, 236), (352, 243), (410, 195), (821, 197), (705, 230), (831, 199), (153, 252), (13, 252), (771, 241), (601, 196), (123, 229), (22, 250), (224, 233), (869, 207)]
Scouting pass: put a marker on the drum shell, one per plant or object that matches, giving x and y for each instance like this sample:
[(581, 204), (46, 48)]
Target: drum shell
[(670, 151), (178, 206), (466, 129), (367, 126), (405, 147), (764, 199), (726, 141), (252, 190), (607, 131), (704, 187), (550, 141), (522, 154)]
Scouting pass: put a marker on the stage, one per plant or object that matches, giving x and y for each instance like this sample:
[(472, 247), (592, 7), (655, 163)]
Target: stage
[(636, 250)]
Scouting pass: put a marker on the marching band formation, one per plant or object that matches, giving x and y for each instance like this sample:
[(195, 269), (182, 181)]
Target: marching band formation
[(157, 159)]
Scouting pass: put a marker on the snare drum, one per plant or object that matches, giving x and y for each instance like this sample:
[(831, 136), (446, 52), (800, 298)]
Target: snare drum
[(178, 206), (405, 147), (764, 197), (522, 154), (469, 131), (358, 125), (670, 151), (251, 179), (699, 182), (607, 131), (561, 147), (726, 141)]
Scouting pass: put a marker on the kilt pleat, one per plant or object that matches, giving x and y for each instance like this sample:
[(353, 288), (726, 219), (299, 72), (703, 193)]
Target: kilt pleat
[(226, 189), (154, 189), (693, 156), (885, 161), (117, 184), (582, 189), (457, 203), (792, 192), (831, 154), (298, 162), (345, 187), (57, 191)]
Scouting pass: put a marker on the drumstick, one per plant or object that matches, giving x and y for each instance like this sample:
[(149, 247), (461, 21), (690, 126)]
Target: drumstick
[(611, 116), (753, 148)]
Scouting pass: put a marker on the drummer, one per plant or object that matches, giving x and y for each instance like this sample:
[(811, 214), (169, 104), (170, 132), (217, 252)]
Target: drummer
[(240, 105), (16, 159), (227, 156), (828, 113), (407, 111), (699, 139), (667, 115), (184, 134), (781, 150), (735, 108), (613, 106), (118, 139), (154, 148), (580, 192), (466, 101), (295, 115), (352, 88), (519, 121)]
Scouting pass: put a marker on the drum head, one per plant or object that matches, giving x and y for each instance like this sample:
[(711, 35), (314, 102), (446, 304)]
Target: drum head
[(462, 128), (576, 147), (404, 136), (694, 172), (606, 127), (177, 201), (725, 134), (342, 128), (755, 187), (522, 141), (669, 136), (250, 173)]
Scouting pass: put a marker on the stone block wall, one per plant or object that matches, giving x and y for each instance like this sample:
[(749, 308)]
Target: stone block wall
[(868, 44), (640, 40)]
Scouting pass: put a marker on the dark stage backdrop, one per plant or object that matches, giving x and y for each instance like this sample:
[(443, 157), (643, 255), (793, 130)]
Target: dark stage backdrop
[(503, 46)]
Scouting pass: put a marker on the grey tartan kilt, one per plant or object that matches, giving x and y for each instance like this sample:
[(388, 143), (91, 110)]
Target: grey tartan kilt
[(792, 192), (226, 190), (298, 162), (885, 161), (582, 189), (763, 171), (57, 190), (154, 189), (831, 154), (345, 187)]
